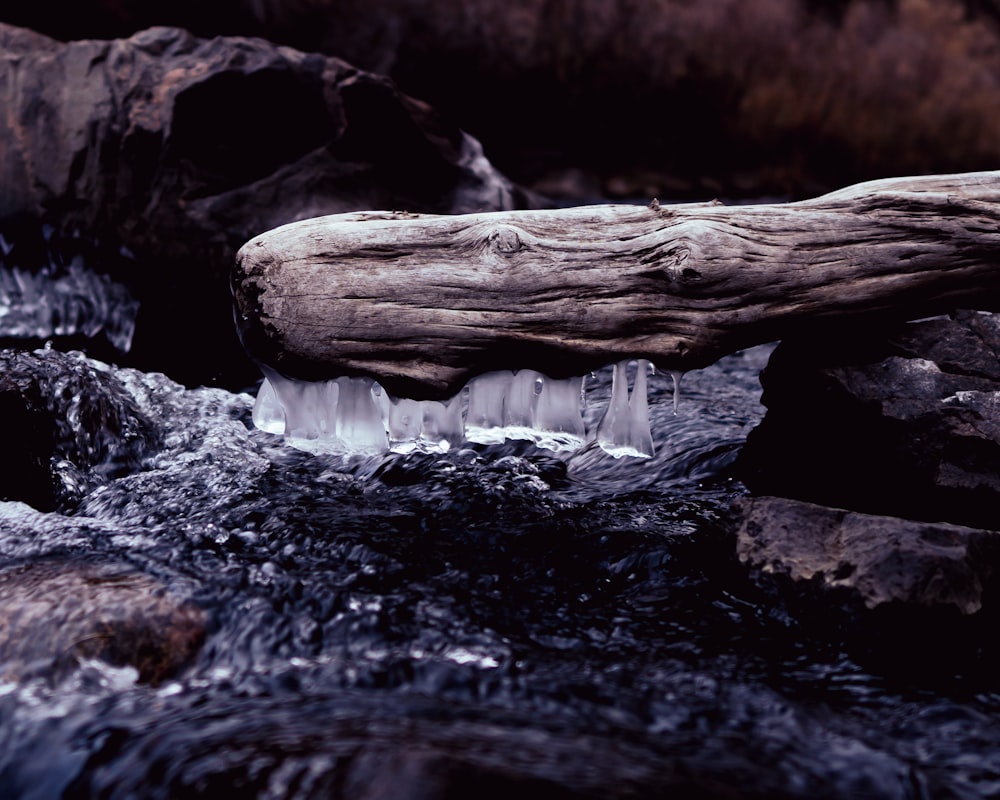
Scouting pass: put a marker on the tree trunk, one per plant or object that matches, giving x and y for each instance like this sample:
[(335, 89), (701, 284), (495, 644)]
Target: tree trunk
[(423, 303)]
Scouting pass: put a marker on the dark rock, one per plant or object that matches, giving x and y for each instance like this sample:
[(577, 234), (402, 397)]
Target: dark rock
[(918, 600), (879, 559), (903, 423), (181, 149), (71, 425), (663, 98), (55, 613)]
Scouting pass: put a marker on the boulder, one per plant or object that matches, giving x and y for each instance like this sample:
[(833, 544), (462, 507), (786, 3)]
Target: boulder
[(665, 98), (902, 422), (182, 148), (55, 613)]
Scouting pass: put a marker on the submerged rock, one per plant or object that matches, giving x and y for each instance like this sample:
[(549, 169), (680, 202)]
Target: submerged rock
[(57, 613), (905, 424)]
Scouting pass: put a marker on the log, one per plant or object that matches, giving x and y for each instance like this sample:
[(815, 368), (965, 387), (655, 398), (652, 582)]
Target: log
[(424, 303)]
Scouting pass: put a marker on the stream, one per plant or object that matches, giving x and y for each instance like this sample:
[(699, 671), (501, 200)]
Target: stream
[(489, 620)]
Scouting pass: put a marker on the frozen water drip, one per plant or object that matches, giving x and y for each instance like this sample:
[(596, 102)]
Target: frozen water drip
[(268, 413), (624, 428), (427, 425), (358, 421), (520, 403), (354, 415), (336, 416), (526, 405), (484, 422), (676, 375), (559, 414)]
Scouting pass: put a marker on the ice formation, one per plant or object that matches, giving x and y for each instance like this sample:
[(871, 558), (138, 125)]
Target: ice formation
[(339, 416), (526, 405), (354, 415), (624, 428)]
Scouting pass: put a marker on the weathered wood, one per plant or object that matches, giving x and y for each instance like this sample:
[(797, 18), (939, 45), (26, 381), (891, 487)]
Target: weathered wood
[(423, 303)]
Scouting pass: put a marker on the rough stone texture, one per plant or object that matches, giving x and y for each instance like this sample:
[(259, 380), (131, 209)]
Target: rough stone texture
[(183, 148), (69, 426), (661, 97), (903, 422), (878, 559), (54, 613)]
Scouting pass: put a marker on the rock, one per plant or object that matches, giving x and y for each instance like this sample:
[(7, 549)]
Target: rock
[(668, 98), (181, 149), (55, 613), (913, 599), (878, 559), (903, 423), (70, 424)]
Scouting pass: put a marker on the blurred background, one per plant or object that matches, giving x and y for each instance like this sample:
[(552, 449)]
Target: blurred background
[(629, 98)]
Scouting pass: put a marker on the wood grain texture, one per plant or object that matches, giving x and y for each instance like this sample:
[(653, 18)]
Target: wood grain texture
[(423, 303)]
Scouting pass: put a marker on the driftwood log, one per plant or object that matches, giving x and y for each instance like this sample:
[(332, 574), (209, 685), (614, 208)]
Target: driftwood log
[(423, 303)]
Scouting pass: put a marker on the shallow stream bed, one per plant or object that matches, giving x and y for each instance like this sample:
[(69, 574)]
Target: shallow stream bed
[(486, 621)]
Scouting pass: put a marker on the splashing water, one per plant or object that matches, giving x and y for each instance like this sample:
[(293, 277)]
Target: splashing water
[(63, 296)]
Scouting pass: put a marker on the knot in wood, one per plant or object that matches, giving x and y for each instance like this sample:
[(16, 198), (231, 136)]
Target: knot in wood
[(505, 240)]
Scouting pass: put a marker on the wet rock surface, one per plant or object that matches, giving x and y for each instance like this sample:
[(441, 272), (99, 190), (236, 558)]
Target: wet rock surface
[(878, 559), (901, 422), (181, 149), (55, 614), (889, 442)]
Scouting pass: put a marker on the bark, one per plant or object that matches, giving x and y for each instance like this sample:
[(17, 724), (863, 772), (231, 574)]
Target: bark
[(423, 303)]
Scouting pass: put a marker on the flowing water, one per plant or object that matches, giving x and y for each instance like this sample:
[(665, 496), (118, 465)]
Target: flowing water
[(492, 619)]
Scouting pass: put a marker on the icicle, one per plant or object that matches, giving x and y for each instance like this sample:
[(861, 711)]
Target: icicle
[(559, 415), (640, 434), (427, 426), (354, 415), (443, 427), (358, 422), (520, 404), (405, 420), (268, 415), (485, 418), (624, 428), (676, 375), (308, 408)]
